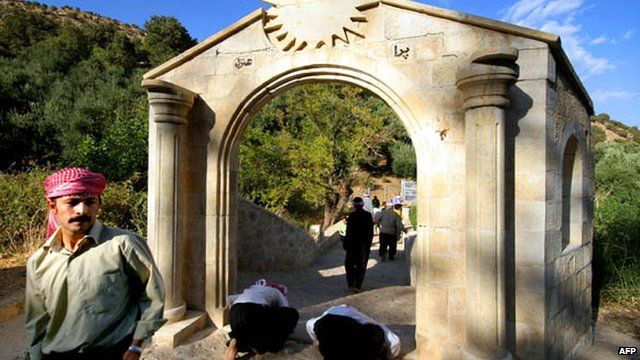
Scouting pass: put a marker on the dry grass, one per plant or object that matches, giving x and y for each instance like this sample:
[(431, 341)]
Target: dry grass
[(33, 237)]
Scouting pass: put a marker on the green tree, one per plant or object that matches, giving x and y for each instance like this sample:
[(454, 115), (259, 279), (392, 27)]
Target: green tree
[(121, 150), (70, 90), (20, 29), (166, 38), (309, 143), (403, 160)]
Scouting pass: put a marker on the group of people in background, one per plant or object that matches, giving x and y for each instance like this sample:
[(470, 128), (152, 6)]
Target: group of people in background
[(261, 321)]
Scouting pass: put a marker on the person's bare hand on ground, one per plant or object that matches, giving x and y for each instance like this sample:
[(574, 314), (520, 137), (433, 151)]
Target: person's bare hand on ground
[(232, 350)]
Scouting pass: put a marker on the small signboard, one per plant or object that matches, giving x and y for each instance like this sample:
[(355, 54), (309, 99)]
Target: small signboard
[(409, 191)]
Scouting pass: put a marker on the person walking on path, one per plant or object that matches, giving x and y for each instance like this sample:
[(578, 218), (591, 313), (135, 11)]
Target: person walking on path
[(376, 228), (357, 243), (375, 202), (93, 292), (391, 228)]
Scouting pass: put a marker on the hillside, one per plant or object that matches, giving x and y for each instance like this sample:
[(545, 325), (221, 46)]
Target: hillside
[(606, 129), (68, 15), (70, 87)]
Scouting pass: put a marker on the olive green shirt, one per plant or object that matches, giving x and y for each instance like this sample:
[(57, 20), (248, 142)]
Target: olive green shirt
[(94, 297)]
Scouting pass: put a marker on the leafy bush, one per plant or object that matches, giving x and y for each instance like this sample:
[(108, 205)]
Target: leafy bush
[(598, 134), (616, 225), (621, 132), (403, 161), (23, 209), (122, 149), (413, 216)]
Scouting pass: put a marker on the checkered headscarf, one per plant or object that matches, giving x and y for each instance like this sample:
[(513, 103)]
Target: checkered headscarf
[(71, 181)]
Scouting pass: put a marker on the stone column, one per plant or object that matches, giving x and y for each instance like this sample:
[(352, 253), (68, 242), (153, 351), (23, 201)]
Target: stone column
[(484, 85), (169, 106)]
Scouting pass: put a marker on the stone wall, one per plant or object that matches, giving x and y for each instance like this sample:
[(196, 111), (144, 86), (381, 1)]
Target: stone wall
[(265, 241), (568, 274)]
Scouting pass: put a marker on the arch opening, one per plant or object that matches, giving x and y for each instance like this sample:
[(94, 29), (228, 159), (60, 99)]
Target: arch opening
[(572, 195), (326, 269)]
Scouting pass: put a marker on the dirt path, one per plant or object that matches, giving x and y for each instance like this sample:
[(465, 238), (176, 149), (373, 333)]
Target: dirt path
[(325, 280)]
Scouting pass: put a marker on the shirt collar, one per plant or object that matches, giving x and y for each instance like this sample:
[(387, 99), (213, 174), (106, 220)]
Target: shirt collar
[(55, 240), (95, 232)]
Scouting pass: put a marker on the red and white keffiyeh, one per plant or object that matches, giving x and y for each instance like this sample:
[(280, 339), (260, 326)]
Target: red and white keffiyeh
[(282, 288), (71, 181)]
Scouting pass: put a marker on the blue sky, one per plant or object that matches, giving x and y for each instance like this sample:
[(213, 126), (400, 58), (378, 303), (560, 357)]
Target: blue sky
[(601, 37)]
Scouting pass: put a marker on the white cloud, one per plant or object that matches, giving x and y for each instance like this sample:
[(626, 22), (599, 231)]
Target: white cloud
[(602, 39), (559, 17), (536, 12), (599, 40), (629, 34), (606, 95)]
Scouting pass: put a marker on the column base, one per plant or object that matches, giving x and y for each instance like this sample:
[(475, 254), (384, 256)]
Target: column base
[(176, 313), (472, 353), (219, 316), (174, 334)]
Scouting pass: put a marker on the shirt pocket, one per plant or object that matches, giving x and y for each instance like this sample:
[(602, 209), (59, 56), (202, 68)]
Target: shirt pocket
[(108, 293)]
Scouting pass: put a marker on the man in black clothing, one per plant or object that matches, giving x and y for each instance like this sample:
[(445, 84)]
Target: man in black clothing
[(357, 243), (375, 202)]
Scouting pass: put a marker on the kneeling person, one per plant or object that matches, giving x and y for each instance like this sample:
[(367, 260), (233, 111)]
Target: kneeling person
[(342, 332), (260, 319), (93, 292)]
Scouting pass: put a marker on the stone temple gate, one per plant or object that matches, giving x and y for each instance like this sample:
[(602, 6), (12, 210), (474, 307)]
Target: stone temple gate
[(500, 124)]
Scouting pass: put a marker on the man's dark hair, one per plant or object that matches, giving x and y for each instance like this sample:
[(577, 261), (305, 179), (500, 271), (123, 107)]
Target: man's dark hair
[(342, 337), (397, 206), (259, 327)]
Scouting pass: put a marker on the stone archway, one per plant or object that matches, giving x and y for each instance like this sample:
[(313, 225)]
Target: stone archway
[(460, 84)]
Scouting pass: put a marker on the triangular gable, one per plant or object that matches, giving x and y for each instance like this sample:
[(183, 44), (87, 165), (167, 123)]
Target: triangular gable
[(552, 40)]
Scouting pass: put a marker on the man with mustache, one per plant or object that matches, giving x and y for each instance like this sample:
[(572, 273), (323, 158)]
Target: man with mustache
[(93, 292)]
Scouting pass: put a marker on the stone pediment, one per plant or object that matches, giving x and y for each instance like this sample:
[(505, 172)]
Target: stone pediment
[(302, 25), (294, 25)]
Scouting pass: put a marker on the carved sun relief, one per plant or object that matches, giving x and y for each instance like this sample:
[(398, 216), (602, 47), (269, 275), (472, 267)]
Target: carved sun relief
[(294, 25)]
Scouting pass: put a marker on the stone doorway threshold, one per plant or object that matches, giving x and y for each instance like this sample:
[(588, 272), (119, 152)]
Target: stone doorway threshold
[(394, 306)]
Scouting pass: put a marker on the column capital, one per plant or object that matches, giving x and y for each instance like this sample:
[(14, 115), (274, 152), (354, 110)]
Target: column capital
[(486, 81), (170, 103)]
